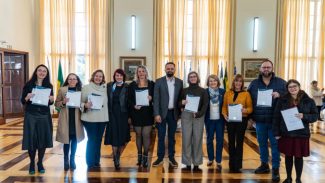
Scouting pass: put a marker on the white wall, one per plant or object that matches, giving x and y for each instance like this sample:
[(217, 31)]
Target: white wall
[(246, 10), (19, 27), (123, 9)]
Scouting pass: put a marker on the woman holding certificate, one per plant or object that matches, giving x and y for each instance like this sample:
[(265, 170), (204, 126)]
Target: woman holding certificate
[(237, 105), (141, 112), (117, 131), (194, 102), (94, 116), (37, 96), (292, 128), (70, 130), (214, 121)]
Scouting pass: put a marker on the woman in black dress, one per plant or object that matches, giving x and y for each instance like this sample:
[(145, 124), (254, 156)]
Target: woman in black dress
[(294, 144), (117, 130), (37, 131), (141, 116)]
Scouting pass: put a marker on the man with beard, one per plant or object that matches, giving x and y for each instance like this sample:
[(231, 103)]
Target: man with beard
[(165, 106), (263, 115)]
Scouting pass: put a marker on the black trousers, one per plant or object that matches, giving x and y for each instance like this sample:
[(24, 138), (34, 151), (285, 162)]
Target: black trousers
[(95, 131), (236, 133)]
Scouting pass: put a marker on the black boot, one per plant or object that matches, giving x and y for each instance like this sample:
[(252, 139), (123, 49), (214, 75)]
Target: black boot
[(145, 161), (139, 159), (66, 163), (275, 175), (288, 180), (264, 168), (66, 148), (40, 167), (32, 154), (72, 163), (32, 168), (73, 152), (116, 163)]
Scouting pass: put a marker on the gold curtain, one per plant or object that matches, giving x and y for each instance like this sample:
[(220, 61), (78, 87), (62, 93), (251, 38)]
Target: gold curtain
[(58, 36), (210, 35), (98, 29), (300, 49), (170, 29)]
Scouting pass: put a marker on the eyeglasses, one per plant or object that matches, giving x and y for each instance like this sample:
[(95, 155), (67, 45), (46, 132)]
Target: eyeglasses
[(72, 79), (266, 67), (292, 86)]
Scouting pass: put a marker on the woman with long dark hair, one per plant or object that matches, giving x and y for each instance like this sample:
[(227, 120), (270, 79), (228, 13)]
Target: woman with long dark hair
[(117, 131), (294, 144), (70, 130), (37, 131)]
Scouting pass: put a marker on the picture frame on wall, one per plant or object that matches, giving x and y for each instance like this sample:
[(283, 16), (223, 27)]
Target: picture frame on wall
[(130, 64), (250, 68)]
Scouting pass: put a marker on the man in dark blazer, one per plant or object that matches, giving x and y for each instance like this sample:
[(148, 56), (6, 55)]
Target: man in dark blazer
[(167, 92)]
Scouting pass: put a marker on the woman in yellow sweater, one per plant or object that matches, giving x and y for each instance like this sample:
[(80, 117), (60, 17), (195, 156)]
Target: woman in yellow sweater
[(236, 99)]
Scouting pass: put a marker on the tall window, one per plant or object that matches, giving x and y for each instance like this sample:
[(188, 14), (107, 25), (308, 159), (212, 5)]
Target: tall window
[(194, 35), (314, 35), (81, 40), (301, 49), (76, 33)]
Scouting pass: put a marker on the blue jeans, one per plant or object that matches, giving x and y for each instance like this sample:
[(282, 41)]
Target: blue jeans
[(215, 127), (172, 125), (95, 131), (264, 133)]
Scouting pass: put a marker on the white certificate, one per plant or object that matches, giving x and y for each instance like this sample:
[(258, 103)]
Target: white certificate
[(192, 104), (141, 97), (41, 96), (264, 98), (292, 122), (235, 113), (74, 99), (96, 100)]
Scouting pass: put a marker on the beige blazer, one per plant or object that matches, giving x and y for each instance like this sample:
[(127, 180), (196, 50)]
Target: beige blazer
[(62, 133)]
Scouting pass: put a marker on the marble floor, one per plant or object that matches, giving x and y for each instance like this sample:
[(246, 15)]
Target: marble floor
[(14, 162)]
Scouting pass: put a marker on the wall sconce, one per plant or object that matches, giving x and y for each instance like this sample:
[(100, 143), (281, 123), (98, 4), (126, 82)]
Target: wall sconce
[(255, 36), (133, 32)]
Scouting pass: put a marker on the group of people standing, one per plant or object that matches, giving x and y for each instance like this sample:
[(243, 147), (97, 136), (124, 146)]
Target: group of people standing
[(167, 103)]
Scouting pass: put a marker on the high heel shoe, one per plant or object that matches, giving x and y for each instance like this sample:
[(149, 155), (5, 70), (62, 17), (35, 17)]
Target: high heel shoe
[(139, 159), (116, 163), (145, 161)]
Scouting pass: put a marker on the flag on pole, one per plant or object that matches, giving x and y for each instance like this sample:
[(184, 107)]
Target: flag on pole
[(221, 76), (235, 71), (59, 81), (225, 79), (60, 76)]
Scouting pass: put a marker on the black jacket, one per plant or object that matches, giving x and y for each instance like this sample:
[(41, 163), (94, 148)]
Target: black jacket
[(123, 97), (263, 114), (143, 116), (306, 106)]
